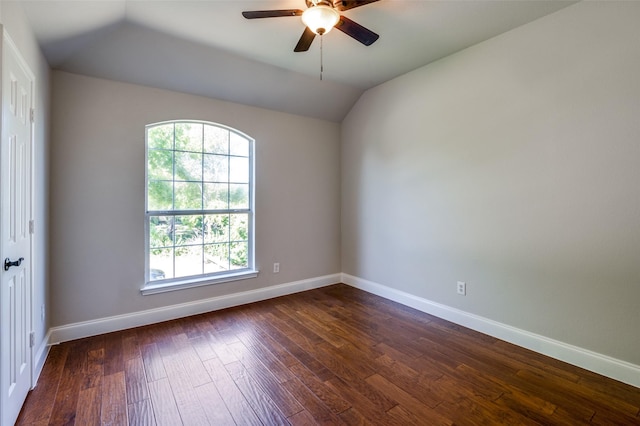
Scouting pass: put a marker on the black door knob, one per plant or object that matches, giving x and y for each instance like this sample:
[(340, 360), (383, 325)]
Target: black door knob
[(8, 263)]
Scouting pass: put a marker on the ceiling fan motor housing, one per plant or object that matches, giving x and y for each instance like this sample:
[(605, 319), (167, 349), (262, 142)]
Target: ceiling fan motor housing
[(311, 3)]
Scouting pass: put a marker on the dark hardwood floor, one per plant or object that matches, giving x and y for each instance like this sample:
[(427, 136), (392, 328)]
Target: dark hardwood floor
[(335, 355)]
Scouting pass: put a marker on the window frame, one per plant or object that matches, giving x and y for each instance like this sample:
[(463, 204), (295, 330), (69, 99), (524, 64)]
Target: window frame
[(171, 284)]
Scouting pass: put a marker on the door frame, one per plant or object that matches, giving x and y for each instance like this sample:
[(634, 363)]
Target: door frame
[(6, 42)]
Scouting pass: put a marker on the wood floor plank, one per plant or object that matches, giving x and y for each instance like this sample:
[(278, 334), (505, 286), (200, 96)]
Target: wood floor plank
[(214, 407), (114, 400), (609, 388), (217, 344), (303, 418), (579, 393), (301, 355), (164, 405), (266, 410), (65, 405), (202, 348), (334, 355), (362, 401), (94, 369), (89, 407), (407, 379), (481, 384), (336, 403), (528, 405), (136, 381), (153, 366), (189, 358), (271, 362), (353, 417), (314, 407), (295, 331), (266, 381), (141, 413), (130, 344), (233, 398), (402, 415), (191, 411), (315, 325), (113, 357), (419, 408)]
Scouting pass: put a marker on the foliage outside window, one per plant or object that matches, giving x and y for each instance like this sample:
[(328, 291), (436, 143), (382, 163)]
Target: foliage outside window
[(199, 208)]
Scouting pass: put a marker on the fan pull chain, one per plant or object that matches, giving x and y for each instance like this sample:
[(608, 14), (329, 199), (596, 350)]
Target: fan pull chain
[(321, 62)]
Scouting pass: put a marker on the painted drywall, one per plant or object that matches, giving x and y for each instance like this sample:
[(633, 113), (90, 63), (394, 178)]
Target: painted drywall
[(513, 166), (17, 26), (97, 195)]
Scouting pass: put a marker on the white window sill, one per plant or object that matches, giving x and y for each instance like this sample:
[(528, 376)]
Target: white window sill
[(163, 287)]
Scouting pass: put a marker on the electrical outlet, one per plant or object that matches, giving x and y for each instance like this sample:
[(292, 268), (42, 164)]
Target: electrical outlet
[(462, 288), (276, 268)]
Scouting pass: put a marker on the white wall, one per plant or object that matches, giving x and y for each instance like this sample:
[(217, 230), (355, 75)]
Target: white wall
[(17, 26), (514, 166), (97, 195)]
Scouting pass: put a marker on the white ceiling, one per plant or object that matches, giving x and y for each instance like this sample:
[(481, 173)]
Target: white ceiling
[(206, 47)]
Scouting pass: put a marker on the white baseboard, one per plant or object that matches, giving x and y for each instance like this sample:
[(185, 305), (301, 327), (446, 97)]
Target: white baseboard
[(121, 322), (598, 363), (584, 358)]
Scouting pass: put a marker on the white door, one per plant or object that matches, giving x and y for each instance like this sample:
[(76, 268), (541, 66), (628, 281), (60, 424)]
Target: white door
[(15, 214)]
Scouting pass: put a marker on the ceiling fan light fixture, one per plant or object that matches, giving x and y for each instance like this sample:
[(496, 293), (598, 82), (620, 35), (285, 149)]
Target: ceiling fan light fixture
[(320, 19)]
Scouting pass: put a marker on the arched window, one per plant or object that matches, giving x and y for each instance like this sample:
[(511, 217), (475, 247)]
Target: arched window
[(199, 205)]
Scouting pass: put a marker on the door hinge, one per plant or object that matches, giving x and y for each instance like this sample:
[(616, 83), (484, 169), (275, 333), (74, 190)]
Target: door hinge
[(32, 115), (32, 339), (32, 227)]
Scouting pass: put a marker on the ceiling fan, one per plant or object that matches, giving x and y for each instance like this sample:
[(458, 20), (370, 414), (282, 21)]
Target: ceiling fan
[(319, 17)]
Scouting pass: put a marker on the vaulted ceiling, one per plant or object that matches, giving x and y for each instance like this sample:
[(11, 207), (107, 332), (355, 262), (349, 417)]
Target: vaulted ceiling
[(206, 47)]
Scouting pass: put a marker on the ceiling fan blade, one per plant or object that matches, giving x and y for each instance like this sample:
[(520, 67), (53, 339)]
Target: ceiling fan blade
[(357, 31), (256, 14), (305, 40), (342, 5)]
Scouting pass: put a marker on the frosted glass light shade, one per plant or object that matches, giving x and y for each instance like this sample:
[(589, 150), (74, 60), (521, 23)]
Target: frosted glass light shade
[(320, 19)]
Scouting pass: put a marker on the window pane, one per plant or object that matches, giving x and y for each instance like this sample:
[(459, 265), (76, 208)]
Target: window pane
[(216, 196), (188, 166), (188, 230), (160, 231), (188, 261), (189, 137), (216, 258), (193, 166), (239, 196), (239, 169), (160, 164), (188, 196), (216, 140), (160, 195), (160, 264), (238, 256), (160, 137), (216, 168), (238, 145), (216, 228), (239, 230)]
